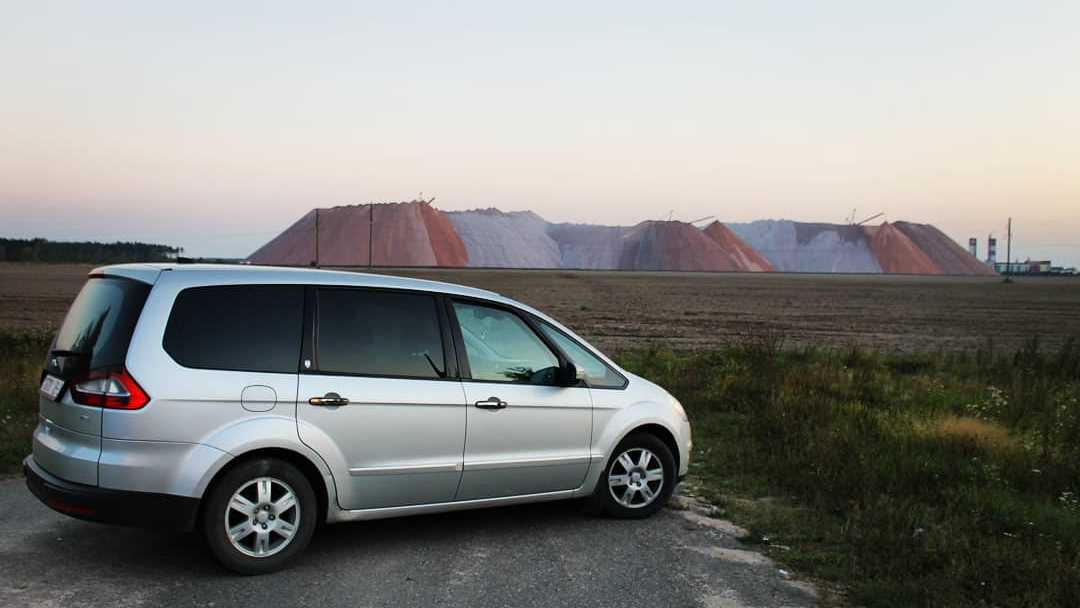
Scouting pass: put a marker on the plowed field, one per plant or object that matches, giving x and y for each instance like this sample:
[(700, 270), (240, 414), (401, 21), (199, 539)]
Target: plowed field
[(621, 310)]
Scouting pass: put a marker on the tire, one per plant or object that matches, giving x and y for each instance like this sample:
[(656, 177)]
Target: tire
[(639, 478), (269, 508)]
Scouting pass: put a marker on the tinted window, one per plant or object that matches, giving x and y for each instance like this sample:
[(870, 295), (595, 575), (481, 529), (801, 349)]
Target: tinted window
[(101, 320), (254, 328), (502, 348), (597, 373), (379, 333)]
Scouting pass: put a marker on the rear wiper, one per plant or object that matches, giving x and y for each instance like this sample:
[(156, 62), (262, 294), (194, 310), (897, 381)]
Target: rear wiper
[(69, 353)]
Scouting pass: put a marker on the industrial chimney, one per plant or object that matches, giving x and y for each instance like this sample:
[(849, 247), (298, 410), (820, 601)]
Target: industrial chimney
[(973, 247), (991, 250)]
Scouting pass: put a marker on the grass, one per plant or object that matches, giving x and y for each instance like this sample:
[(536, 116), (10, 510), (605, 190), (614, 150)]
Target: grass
[(935, 479), (21, 356)]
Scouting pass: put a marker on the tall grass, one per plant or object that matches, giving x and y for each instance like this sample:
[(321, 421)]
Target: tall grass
[(935, 479), (21, 356)]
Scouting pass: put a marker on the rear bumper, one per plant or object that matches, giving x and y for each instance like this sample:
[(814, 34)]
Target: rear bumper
[(118, 507)]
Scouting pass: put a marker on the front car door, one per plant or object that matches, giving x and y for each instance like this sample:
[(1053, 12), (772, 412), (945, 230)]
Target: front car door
[(526, 434), (377, 399)]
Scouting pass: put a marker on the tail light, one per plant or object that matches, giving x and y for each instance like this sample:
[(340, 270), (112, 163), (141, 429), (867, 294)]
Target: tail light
[(111, 387)]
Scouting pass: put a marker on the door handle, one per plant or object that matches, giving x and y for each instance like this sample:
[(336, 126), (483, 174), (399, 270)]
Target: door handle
[(329, 399), (491, 403)]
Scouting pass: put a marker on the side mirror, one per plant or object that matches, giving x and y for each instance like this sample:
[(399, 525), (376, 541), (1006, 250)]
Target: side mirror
[(570, 375)]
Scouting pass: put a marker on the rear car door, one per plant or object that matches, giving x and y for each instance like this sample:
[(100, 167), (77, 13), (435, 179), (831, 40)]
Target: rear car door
[(378, 399), (526, 434)]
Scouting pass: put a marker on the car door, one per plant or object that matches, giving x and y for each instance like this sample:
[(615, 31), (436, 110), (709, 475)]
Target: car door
[(526, 433), (377, 399)]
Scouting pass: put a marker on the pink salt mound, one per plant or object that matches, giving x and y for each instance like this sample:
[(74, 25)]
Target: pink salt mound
[(294, 246), (445, 241), (896, 253), (741, 254), (946, 254), (402, 236), (671, 246)]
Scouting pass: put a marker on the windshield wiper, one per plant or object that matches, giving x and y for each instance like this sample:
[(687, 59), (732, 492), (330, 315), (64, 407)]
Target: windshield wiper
[(441, 374)]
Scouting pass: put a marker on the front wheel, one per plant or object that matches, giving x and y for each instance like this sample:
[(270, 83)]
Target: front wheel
[(259, 516), (639, 479)]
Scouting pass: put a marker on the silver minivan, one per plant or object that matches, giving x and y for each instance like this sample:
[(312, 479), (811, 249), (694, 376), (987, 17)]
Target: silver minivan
[(253, 403)]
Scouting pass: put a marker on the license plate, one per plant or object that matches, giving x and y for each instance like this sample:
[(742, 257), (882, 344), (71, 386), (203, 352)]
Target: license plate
[(52, 386)]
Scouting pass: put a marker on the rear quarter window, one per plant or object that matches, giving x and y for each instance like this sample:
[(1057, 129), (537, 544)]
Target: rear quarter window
[(256, 328)]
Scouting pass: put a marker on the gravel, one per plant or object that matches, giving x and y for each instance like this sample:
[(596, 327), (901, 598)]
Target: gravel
[(527, 556)]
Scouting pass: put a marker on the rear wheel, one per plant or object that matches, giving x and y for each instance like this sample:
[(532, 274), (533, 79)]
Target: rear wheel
[(259, 516), (639, 479)]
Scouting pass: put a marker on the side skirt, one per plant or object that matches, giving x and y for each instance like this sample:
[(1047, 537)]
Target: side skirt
[(341, 515)]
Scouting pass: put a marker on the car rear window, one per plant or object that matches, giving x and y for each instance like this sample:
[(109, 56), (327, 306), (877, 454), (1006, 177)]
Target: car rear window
[(101, 320), (254, 328)]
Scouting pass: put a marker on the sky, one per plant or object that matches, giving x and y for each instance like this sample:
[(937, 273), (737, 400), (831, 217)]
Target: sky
[(214, 125)]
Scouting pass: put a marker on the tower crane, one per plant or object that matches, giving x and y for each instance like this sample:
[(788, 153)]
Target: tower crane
[(872, 217)]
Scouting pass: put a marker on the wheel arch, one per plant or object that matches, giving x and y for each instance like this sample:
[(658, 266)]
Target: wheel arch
[(308, 468), (660, 432)]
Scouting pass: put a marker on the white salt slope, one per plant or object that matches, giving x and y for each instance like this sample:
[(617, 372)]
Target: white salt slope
[(496, 239), (801, 247), (589, 246)]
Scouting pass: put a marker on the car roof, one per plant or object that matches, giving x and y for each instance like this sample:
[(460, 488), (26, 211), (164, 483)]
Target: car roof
[(232, 273)]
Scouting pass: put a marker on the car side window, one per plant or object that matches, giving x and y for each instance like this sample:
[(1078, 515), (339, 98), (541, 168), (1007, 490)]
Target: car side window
[(501, 347), (254, 328), (597, 373), (379, 333)]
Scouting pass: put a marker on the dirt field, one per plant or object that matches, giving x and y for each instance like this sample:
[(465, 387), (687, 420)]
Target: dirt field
[(620, 310)]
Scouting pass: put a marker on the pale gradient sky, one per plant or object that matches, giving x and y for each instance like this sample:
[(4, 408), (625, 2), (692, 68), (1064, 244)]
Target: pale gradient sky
[(214, 125)]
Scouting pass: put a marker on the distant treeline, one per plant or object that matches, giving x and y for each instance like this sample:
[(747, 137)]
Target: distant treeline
[(44, 250)]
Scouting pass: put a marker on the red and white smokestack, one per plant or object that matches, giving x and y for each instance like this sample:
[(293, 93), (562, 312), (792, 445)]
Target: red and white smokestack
[(991, 251), (973, 247)]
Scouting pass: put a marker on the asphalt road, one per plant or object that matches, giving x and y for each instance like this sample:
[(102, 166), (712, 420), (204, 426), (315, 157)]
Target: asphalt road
[(528, 556)]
